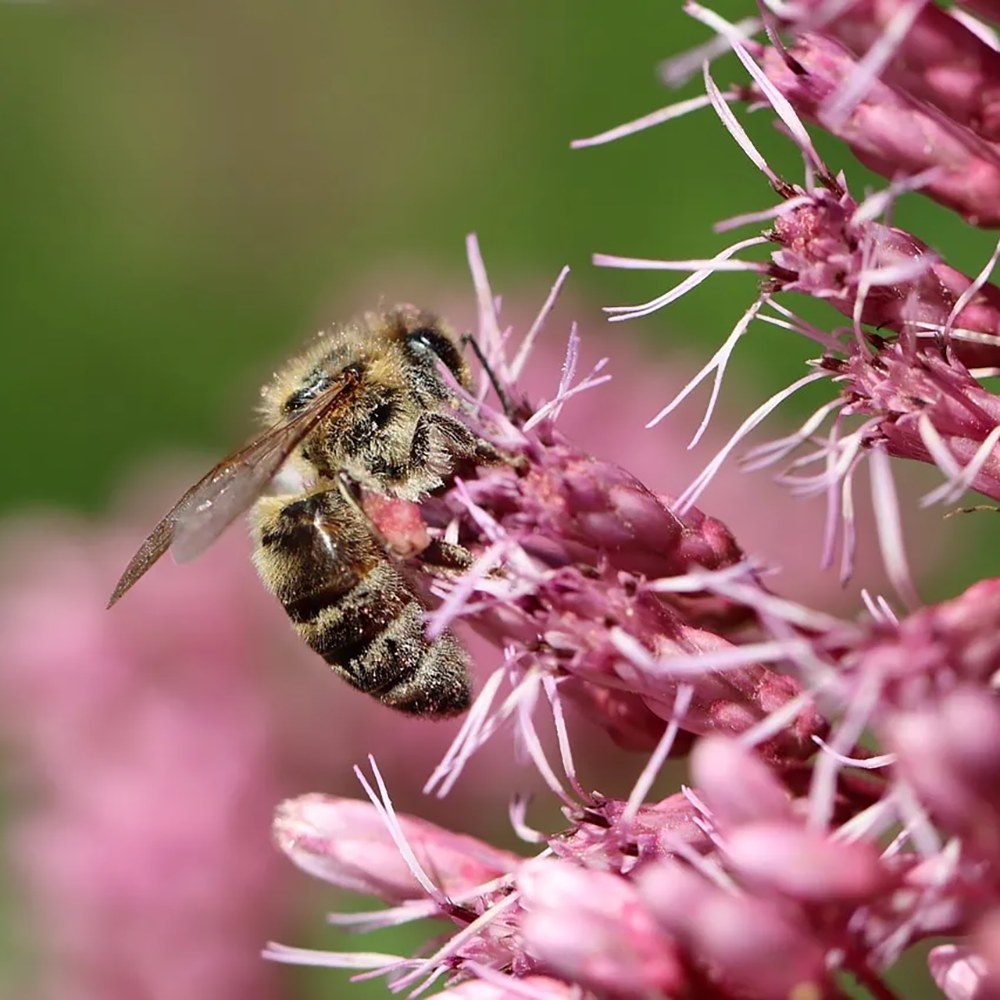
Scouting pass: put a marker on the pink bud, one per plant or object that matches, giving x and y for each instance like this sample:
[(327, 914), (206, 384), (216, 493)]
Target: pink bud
[(593, 928), (889, 132), (805, 864), (937, 60), (828, 252), (675, 893), (904, 389), (528, 988), (757, 949), (938, 647), (959, 972), (347, 843), (987, 939), (949, 752), (736, 784), (624, 716), (748, 943)]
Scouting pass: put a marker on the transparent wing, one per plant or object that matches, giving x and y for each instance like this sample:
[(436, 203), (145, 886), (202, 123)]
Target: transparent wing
[(226, 491)]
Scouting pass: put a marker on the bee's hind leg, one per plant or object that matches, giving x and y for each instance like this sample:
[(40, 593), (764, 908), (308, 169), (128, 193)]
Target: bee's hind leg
[(411, 540), (447, 556), (396, 525)]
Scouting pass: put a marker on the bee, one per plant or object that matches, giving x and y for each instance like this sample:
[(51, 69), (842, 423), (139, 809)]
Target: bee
[(368, 407)]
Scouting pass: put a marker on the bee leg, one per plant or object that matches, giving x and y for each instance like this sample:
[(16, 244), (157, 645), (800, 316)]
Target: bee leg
[(350, 490), (508, 407), (439, 440), (446, 556)]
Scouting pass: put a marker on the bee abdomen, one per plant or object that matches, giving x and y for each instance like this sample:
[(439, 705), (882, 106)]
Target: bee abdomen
[(308, 607), (374, 636)]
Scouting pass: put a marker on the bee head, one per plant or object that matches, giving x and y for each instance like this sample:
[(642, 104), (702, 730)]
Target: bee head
[(427, 340)]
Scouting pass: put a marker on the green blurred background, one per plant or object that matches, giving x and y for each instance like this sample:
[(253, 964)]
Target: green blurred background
[(189, 187)]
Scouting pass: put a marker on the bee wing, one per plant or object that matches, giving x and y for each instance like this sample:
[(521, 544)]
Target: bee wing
[(226, 491)]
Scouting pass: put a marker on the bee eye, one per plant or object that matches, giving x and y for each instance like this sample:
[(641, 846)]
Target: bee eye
[(312, 385), (437, 343)]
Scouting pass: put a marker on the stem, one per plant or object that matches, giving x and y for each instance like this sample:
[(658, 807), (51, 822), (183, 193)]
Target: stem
[(878, 989)]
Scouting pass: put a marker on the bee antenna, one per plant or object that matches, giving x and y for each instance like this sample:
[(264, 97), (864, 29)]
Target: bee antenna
[(470, 341)]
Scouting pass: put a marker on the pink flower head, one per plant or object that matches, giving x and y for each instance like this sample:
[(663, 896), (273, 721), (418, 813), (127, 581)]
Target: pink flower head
[(776, 845), (800, 852), (579, 541), (915, 377)]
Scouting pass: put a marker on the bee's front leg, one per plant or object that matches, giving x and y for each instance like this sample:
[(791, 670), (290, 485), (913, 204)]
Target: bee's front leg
[(441, 442)]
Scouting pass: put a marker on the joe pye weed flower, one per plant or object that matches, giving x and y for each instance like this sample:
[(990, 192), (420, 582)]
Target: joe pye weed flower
[(844, 771), (842, 800)]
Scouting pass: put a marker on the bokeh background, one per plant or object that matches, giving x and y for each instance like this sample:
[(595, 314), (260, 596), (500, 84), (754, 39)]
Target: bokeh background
[(188, 189)]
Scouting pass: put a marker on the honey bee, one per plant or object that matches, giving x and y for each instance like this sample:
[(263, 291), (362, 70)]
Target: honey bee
[(366, 408)]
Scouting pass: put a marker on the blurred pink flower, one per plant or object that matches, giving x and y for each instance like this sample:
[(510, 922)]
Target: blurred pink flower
[(144, 748), (592, 928)]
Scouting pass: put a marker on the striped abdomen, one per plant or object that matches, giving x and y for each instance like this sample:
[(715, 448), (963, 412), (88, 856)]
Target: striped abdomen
[(351, 605)]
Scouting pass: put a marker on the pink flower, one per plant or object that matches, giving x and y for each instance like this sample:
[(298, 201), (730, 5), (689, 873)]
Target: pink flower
[(147, 759), (191, 708), (841, 804), (918, 390)]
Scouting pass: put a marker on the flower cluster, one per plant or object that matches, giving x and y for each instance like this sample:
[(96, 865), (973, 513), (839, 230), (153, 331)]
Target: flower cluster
[(840, 804), (843, 773), (795, 859)]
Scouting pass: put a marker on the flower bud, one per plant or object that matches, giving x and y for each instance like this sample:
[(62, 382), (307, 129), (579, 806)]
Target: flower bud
[(960, 974), (937, 60), (346, 842), (750, 945), (805, 864), (949, 752), (593, 928), (526, 988), (887, 131), (736, 784)]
